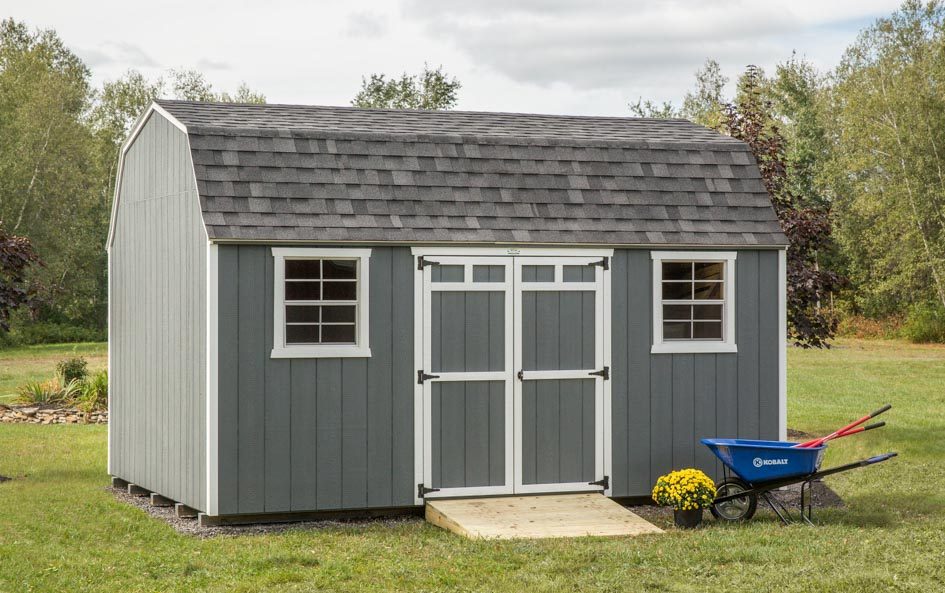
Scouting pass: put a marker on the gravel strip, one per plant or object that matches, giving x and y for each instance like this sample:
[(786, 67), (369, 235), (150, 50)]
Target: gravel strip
[(192, 527)]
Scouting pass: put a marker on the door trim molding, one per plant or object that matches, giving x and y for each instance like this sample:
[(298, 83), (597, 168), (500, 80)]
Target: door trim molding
[(419, 335)]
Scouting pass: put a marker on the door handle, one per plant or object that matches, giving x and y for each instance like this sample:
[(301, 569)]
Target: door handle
[(521, 375)]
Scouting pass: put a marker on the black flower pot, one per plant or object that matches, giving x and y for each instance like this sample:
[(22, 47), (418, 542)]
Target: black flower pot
[(688, 519)]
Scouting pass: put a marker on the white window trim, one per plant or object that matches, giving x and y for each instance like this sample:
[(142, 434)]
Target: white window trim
[(727, 344), (362, 348)]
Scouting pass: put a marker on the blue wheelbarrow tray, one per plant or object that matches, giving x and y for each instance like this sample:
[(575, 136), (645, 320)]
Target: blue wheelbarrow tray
[(757, 462)]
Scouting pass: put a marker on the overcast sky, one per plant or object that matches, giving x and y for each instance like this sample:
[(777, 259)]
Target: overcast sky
[(547, 56)]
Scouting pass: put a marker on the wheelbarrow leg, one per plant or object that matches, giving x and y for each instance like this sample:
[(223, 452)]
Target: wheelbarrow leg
[(778, 508), (807, 501)]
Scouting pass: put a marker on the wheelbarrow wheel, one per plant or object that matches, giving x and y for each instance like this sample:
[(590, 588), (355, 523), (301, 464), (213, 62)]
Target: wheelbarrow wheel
[(736, 509)]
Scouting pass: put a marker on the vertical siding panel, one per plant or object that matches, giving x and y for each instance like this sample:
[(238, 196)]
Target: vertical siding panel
[(726, 390), (158, 314), (303, 420), (278, 407), (328, 433), (251, 373), (402, 377), (683, 400), (661, 416), (354, 435), (379, 387), (746, 311), (768, 344), (620, 480), (228, 385), (704, 410), (640, 407)]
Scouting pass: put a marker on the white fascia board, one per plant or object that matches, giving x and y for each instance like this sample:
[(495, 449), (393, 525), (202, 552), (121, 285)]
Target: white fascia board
[(135, 130), (513, 251)]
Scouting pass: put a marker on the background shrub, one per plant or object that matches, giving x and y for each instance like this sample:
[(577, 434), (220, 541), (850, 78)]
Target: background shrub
[(48, 392), (27, 334), (925, 323), (94, 394), (72, 369)]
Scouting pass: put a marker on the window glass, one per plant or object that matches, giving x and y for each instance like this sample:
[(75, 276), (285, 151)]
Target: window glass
[(321, 284), (693, 296)]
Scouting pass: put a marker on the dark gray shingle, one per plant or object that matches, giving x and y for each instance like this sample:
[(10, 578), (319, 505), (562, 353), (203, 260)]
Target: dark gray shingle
[(303, 173)]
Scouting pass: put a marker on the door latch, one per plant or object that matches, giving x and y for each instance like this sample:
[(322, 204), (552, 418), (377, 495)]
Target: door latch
[(604, 372), (421, 377), (521, 375)]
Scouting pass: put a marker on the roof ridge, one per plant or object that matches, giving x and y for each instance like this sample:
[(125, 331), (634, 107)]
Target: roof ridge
[(726, 143), (352, 108)]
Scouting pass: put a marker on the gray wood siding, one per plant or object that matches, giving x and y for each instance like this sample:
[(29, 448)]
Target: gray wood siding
[(158, 320), (314, 434), (327, 434), (663, 404)]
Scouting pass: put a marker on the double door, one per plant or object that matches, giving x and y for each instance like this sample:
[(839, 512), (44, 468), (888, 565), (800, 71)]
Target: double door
[(513, 375)]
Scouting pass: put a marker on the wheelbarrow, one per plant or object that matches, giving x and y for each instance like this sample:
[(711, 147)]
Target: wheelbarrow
[(752, 469)]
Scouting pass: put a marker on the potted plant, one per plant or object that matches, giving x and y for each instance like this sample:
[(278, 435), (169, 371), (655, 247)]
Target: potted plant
[(688, 491)]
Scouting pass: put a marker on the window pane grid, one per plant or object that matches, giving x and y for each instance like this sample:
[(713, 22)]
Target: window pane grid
[(693, 303), (310, 321)]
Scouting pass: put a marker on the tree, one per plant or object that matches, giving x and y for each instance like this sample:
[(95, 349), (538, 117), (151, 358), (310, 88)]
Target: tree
[(887, 169), (704, 105), (431, 89), (47, 168), (807, 229), (16, 257)]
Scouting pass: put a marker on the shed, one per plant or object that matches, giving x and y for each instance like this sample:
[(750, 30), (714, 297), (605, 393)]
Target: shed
[(317, 309)]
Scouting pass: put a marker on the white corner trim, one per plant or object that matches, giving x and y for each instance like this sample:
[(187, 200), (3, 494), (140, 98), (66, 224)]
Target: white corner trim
[(212, 370), (782, 345), (727, 344), (512, 251), (360, 350), (126, 145)]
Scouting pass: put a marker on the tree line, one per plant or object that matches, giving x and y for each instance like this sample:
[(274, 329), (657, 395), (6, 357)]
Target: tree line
[(861, 151), (854, 159)]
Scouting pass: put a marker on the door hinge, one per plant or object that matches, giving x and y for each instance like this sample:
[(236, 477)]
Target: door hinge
[(604, 372), (604, 483), (423, 490), (422, 261), (421, 377), (604, 263)]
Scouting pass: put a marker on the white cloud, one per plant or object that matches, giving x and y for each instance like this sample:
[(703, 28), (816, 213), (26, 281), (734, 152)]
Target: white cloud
[(551, 56)]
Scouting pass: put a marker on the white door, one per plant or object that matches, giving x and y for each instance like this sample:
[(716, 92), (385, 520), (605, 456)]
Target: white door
[(559, 354)]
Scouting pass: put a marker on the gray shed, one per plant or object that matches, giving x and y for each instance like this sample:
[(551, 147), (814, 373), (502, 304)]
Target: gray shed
[(334, 309)]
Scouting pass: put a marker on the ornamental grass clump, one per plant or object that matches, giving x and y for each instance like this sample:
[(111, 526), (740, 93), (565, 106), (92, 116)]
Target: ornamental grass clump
[(684, 490)]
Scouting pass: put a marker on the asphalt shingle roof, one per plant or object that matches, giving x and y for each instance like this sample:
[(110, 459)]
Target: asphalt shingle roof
[(303, 173)]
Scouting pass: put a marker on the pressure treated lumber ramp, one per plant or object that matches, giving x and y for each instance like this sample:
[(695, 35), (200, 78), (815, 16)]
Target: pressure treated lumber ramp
[(534, 517)]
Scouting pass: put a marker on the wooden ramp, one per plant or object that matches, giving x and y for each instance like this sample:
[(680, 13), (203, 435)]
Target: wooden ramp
[(533, 517)]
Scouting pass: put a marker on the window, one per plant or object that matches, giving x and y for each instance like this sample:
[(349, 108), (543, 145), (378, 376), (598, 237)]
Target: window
[(693, 301), (321, 303)]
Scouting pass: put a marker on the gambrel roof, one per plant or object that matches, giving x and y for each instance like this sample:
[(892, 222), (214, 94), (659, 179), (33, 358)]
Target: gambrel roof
[(306, 173)]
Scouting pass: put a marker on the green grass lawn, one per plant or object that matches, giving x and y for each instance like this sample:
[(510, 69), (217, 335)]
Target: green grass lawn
[(60, 530), (38, 363)]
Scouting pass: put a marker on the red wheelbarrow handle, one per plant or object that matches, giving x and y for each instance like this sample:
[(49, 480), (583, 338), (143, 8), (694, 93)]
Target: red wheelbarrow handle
[(846, 430)]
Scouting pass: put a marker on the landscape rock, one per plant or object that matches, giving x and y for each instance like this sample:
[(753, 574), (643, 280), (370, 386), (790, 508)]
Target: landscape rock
[(50, 415)]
